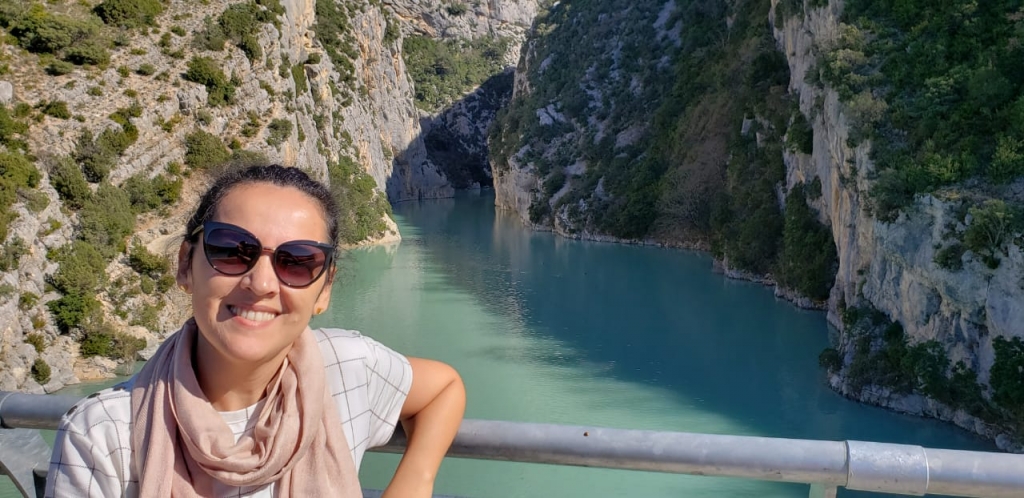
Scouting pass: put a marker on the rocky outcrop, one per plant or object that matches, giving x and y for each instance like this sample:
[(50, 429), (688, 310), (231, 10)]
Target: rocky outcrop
[(891, 266), (468, 19), (456, 139), (881, 265), (370, 119)]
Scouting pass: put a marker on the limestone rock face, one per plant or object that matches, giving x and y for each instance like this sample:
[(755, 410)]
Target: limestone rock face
[(6, 92), (369, 118), (456, 139), (891, 265), (513, 186), (467, 19)]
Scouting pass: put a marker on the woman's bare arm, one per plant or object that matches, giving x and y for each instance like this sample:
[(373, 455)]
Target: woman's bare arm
[(431, 417)]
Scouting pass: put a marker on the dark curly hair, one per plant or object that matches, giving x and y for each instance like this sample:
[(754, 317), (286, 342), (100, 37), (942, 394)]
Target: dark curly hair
[(273, 174)]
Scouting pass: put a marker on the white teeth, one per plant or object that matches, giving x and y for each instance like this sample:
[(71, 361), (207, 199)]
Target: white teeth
[(256, 316)]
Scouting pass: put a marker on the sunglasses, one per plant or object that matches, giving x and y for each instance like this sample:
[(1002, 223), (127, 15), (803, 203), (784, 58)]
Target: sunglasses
[(232, 250)]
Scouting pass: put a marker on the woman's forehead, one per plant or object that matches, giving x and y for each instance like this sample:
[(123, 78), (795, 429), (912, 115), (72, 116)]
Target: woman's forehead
[(265, 207)]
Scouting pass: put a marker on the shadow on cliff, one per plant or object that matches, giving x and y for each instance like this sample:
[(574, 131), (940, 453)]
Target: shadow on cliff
[(659, 318), (455, 142)]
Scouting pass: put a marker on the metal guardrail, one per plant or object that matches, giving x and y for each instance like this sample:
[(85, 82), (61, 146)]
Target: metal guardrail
[(825, 465)]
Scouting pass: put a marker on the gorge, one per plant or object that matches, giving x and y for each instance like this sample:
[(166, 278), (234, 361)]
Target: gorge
[(736, 127)]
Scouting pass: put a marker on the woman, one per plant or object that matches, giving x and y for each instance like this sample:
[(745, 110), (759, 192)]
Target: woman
[(245, 399)]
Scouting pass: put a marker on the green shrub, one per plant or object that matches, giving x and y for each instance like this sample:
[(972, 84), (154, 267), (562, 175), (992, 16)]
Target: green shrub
[(82, 269), (830, 360), (800, 136), (1006, 379), (362, 209), (148, 194), (240, 23), (946, 108), (52, 225), (27, 301), (204, 117), (147, 263), (34, 200), (11, 253), (15, 172), (950, 257), (147, 284), (102, 340), (37, 341), (123, 71), (96, 158), (299, 76), (41, 31), (41, 371), (1008, 161), (93, 52), (22, 110), (107, 220), (95, 91), (808, 260), (165, 282), (456, 9), (993, 225), (207, 72), (333, 29), (38, 321), (205, 151), (9, 127), (279, 130), (253, 125), (178, 30), (71, 310), (313, 58), (18, 170), (211, 37), (147, 317), (444, 70), (57, 109), (129, 13), (69, 182), (59, 68)]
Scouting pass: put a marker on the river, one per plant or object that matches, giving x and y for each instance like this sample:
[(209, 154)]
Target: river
[(546, 329)]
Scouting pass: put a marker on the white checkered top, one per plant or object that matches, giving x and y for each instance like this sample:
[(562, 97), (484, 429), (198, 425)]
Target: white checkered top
[(92, 452)]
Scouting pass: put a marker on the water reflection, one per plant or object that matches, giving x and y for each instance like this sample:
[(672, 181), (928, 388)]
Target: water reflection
[(554, 330)]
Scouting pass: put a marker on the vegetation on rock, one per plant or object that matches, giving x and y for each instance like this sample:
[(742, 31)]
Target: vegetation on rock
[(444, 70)]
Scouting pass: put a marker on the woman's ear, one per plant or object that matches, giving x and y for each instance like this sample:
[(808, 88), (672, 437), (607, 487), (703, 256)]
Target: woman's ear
[(183, 277), (323, 300)]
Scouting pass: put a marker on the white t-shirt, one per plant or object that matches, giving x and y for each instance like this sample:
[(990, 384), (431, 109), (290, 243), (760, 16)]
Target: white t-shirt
[(92, 452)]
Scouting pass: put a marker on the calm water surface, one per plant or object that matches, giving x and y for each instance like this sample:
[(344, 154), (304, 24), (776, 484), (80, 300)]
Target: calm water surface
[(545, 329)]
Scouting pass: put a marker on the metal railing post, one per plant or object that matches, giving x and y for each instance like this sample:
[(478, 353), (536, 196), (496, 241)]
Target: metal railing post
[(823, 491)]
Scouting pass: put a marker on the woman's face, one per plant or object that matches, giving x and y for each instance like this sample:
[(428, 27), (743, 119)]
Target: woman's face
[(253, 318)]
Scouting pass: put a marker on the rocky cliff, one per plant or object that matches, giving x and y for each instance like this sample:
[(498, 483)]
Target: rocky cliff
[(951, 318), (317, 84), (892, 266)]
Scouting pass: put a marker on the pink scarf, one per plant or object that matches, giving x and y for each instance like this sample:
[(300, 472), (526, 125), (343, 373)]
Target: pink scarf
[(181, 445)]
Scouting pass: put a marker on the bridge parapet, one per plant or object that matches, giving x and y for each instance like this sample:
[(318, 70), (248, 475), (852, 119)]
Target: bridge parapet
[(824, 465)]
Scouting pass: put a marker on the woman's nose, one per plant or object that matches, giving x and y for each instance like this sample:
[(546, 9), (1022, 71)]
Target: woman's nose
[(262, 280)]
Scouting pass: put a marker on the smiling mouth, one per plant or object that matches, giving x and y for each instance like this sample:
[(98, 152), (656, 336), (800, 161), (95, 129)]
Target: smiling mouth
[(256, 316)]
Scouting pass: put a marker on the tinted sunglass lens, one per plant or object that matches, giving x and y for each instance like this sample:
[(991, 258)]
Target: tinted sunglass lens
[(298, 265), (231, 252)]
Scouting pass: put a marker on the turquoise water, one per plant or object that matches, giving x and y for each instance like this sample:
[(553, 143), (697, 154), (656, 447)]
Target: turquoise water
[(545, 329)]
